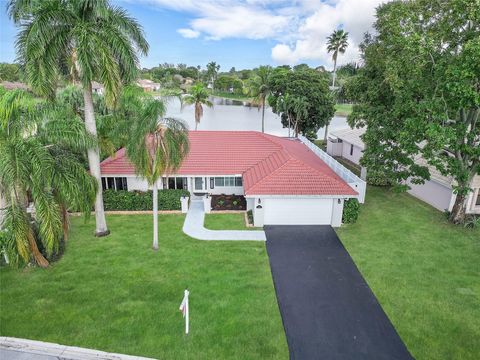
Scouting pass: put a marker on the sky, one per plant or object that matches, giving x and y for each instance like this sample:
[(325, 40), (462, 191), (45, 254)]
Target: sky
[(237, 33)]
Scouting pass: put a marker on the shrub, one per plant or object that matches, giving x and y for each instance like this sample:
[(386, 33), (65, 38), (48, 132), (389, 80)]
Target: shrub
[(377, 178), (472, 222), (250, 217), (142, 200), (351, 209)]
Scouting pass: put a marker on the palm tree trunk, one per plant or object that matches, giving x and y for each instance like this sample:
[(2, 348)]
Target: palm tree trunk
[(155, 216), (94, 163), (263, 115), (334, 71), (37, 255)]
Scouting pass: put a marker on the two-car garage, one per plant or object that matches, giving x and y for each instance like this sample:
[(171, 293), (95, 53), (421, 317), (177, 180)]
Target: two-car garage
[(297, 211)]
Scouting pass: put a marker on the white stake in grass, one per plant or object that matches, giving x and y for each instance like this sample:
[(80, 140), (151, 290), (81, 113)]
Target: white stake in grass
[(184, 310)]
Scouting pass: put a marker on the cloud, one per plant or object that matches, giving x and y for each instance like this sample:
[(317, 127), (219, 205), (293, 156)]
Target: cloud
[(189, 33), (354, 16), (299, 27)]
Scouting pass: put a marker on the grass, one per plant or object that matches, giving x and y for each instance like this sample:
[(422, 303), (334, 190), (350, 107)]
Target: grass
[(116, 294), (343, 109), (321, 144), (424, 271), (235, 221)]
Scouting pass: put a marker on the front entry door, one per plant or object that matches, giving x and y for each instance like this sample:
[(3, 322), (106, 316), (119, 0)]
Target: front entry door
[(198, 184)]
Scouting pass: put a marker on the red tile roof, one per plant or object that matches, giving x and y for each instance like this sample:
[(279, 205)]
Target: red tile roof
[(269, 165)]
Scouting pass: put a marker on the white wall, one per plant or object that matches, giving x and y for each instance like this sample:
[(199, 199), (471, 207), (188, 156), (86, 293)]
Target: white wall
[(433, 193), (337, 212), (297, 211), (136, 183), (357, 153), (334, 148)]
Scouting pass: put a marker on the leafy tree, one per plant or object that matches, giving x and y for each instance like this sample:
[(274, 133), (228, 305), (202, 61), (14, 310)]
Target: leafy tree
[(10, 72), (39, 147), (212, 72), (198, 96), (259, 88), (337, 43), (307, 83), (299, 106), (94, 40), (431, 107), (227, 82), (156, 145)]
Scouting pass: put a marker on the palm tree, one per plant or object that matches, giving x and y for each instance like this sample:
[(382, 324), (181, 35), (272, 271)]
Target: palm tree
[(199, 96), (39, 149), (212, 71), (284, 105), (259, 88), (156, 146), (91, 38), (337, 43), (300, 107)]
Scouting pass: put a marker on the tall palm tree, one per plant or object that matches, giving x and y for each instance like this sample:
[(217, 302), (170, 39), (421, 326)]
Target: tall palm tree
[(91, 38), (156, 146), (259, 88), (39, 148), (199, 96), (212, 71), (337, 43), (284, 105)]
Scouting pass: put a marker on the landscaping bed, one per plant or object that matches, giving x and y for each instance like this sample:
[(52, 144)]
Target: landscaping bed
[(228, 202)]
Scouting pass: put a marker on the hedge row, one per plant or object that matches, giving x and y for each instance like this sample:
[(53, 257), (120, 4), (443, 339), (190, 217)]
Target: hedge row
[(351, 209), (142, 200)]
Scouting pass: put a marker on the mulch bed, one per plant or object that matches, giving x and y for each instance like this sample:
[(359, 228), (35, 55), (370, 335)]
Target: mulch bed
[(229, 202)]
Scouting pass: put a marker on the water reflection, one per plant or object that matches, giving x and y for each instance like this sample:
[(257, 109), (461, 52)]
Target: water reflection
[(228, 114)]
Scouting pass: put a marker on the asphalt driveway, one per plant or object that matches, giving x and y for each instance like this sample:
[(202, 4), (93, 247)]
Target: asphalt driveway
[(327, 308)]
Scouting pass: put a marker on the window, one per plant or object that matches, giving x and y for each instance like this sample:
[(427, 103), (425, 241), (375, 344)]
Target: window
[(181, 182), (121, 183), (219, 181), (171, 183), (477, 203), (227, 181), (351, 149), (114, 183)]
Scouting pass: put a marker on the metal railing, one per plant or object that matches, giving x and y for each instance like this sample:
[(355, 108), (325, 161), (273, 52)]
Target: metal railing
[(349, 177)]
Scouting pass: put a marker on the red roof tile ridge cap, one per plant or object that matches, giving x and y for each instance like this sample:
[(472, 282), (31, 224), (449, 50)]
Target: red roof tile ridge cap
[(270, 174), (114, 157)]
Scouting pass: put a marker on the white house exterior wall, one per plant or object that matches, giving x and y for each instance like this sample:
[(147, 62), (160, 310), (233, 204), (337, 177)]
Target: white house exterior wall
[(433, 193), (136, 183), (297, 211), (357, 153)]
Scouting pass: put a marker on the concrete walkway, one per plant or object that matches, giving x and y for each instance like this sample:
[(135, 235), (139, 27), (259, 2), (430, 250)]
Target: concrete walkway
[(194, 228), (23, 349)]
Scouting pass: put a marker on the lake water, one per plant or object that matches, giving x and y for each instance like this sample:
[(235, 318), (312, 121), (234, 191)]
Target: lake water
[(236, 115)]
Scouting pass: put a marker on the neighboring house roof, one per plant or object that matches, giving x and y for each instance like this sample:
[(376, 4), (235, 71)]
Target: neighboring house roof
[(9, 85), (351, 136), (96, 85), (269, 165), (147, 83), (434, 173)]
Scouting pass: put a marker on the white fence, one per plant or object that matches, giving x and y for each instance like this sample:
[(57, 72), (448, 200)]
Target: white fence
[(349, 177)]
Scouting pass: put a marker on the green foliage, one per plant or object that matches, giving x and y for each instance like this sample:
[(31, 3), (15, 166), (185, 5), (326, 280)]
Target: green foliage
[(378, 178), (305, 83), (168, 199), (229, 83), (351, 209), (250, 217), (430, 108), (472, 222), (10, 72)]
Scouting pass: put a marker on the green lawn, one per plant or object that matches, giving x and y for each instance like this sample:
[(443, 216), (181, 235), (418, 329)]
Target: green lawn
[(228, 95), (424, 271), (234, 221), (116, 294), (343, 109)]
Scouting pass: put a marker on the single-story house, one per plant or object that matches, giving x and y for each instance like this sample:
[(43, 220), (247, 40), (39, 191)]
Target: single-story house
[(97, 88), (284, 180), (438, 191), (148, 85)]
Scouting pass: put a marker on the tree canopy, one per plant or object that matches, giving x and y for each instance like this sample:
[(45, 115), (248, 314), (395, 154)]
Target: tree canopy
[(419, 93), (310, 84)]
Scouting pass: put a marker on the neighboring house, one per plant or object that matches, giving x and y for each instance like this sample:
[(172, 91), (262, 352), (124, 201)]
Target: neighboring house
[(97, 88), (9, 85), (148, 85), (285, 181), (437, 191)]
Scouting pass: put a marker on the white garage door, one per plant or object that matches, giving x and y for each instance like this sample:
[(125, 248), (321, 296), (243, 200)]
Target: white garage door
[(298, 211)]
